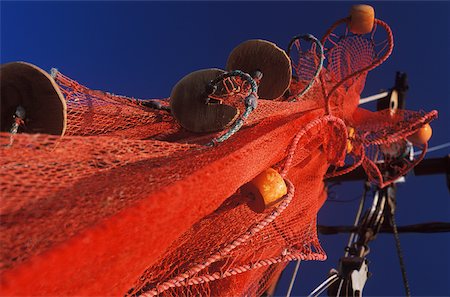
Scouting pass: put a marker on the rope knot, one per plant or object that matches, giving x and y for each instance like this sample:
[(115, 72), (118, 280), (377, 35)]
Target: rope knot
[(252, 101)]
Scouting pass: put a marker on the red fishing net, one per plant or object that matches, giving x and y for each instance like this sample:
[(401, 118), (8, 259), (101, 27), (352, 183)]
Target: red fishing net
[(127, 202)]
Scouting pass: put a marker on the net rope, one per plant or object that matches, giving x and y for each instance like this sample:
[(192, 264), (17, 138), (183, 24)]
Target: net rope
[(128, 202)]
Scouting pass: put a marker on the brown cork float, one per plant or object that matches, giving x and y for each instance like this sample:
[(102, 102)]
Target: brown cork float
[(30, 95), (189, 103), (268, 58)]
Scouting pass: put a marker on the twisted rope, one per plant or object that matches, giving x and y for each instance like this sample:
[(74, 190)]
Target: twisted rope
[(262, 263), (320, 121), (401, 134), (251, 102), (180, 280), (379, 179), (362, 154), (312, 38)]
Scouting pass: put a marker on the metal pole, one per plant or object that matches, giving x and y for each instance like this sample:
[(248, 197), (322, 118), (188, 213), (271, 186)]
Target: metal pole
[(294, 276), (373, 98)]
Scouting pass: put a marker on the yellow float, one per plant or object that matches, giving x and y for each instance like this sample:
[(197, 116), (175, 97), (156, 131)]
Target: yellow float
[(422, 135), (265, 191)]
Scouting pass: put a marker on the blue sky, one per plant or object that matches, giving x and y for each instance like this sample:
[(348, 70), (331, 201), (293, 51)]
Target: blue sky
[(142, 49)]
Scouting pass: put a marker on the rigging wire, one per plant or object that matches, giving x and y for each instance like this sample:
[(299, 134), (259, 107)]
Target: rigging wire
[(358, 215), (432, 227), (294, 276), (340, 287), (400, 256), (353, 230), (333, 278), (434, 148), (355, 224), (343, 200)]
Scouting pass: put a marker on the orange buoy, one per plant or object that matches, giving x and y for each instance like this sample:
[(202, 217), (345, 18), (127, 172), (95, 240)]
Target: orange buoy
[(362, 18), (422, 135), (351, 136), (265, 191)]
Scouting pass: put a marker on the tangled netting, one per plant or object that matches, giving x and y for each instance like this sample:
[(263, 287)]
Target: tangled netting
[(127, 202)]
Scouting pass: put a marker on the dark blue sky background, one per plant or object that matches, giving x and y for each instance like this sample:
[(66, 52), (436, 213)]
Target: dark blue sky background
[(142, 49)]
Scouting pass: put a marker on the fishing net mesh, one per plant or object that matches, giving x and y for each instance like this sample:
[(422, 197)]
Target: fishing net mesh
[(127, 202)]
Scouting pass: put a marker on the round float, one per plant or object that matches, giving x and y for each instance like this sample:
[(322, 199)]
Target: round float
[(190, 106), (422, 135), (265, 191), (362, 18), (32, 92), (267, 57)]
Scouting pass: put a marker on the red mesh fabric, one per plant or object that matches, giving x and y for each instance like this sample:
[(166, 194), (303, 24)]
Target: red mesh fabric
[(93, 112), (129, 211), (305, 61), (128, 201), (348, 59), (384, 135), (291, 232), (347, 56)]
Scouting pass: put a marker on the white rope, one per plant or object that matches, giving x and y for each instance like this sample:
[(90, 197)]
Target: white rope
[(373, 98)]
